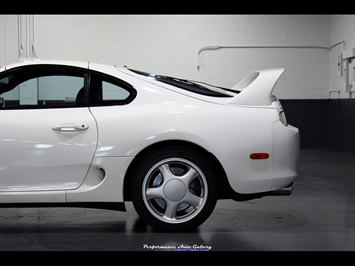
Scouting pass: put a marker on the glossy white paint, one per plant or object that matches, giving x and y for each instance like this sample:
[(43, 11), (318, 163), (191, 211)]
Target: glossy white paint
[(102, 186), (260, 85), (36, 157), (38, 162), (285, 147)]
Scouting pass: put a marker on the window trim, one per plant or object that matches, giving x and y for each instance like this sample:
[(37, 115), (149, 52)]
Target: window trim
[(115, 81), (72, 71), (44, 70)]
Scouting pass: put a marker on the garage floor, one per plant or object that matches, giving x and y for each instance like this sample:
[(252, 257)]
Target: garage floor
[(318, 216)]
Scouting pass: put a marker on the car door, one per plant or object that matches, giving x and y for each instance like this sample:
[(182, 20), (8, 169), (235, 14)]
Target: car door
[(48, 134)]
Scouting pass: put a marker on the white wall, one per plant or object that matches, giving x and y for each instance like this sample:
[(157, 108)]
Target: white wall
[(169, 44), (8, 39), (342, 27)]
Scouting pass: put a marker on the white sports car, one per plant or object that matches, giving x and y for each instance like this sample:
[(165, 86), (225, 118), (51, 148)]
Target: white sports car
[(82, 134)]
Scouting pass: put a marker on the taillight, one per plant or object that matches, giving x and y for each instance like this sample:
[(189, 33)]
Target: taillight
[(278, 104)]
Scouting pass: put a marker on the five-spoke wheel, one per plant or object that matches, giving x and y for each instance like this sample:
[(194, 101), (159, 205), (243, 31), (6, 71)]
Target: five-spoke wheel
[(172, 189)]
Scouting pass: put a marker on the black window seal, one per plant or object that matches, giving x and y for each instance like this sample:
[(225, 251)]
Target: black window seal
[(115, 81), (73, 71), (42, 70)]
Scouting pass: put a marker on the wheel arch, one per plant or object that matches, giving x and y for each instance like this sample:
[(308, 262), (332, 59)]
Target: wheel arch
[(224, 186)]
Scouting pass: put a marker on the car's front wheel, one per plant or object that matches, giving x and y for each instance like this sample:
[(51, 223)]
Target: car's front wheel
[(174, 189)]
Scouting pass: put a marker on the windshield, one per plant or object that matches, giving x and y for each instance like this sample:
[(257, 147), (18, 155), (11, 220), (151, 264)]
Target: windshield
[(192, 86)]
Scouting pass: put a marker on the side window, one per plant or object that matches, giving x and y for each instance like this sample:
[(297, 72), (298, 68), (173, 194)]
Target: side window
[(105, 90), (61, 91), (112, 92), (40, 89)]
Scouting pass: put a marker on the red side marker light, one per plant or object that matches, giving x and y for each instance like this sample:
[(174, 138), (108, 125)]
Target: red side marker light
[(259, 156)]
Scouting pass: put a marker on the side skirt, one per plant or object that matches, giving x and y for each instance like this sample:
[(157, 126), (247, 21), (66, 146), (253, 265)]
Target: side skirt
[(115, 206)]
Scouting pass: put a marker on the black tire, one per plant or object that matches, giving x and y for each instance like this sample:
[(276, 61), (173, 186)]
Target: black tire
[(174, 189)]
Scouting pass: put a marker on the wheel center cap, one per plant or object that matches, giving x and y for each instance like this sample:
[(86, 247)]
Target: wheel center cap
[(175, 190)]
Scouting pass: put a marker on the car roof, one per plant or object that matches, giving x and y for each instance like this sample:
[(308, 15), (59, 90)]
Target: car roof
[(104, 68), (29, 62)]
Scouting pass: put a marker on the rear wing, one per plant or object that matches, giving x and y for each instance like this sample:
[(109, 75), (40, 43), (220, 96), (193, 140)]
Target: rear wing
[(257, 87)]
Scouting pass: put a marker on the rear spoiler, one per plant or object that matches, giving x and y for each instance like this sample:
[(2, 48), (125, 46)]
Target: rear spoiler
[(257, 87)]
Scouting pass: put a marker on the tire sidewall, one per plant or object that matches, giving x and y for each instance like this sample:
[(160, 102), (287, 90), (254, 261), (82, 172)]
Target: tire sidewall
[(174, 152)]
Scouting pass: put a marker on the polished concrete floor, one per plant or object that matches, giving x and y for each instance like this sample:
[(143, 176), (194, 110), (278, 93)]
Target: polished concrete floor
[(318, 216)]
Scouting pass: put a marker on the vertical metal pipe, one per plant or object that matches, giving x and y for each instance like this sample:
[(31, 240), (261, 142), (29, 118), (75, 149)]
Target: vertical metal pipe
[(25, 27)]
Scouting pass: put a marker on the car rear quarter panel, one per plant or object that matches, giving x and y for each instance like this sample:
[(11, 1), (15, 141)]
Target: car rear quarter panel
[(231, 133)]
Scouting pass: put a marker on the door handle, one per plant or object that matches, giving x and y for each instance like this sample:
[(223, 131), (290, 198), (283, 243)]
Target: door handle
[(70, 127)]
